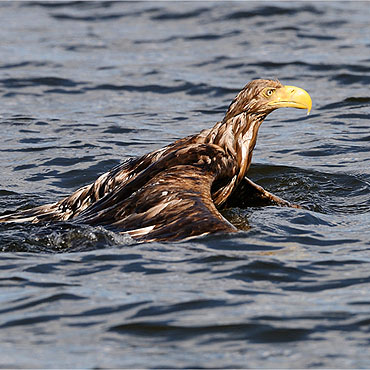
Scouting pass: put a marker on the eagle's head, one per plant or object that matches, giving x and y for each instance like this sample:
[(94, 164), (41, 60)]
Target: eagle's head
[(261, 97)]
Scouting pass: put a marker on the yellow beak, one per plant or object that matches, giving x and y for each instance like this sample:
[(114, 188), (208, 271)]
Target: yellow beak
[(291, 96)]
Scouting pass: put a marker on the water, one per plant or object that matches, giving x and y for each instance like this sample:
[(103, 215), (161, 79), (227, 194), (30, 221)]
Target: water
[(86, 85)]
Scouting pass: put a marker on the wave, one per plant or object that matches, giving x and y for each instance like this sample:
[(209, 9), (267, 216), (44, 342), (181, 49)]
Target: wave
[(273, 11), (38, 81), (187, 87), (169, 16), (348, 102), (252, 332)]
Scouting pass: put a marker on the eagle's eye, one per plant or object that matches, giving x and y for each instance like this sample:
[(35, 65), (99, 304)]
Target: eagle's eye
[(269, 92)]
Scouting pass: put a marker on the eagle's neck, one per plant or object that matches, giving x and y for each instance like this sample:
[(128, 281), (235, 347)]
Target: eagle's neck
[(237, 136)]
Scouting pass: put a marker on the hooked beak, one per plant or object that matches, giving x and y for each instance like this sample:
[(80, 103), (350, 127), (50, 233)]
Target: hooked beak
[(291, 96)]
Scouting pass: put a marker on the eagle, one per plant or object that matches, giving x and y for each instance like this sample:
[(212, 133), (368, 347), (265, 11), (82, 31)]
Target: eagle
[(177, 192)]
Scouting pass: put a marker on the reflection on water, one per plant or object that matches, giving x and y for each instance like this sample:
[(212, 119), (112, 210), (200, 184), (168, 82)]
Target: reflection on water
[(86, 85)]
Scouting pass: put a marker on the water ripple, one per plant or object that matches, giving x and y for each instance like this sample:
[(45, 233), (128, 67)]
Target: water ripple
[(128, 78)]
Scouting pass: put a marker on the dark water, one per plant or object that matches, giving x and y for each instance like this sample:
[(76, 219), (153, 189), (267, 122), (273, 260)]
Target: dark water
[(86, 85)]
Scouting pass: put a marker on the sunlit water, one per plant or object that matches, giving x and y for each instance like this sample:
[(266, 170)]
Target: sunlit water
[(86, 85)]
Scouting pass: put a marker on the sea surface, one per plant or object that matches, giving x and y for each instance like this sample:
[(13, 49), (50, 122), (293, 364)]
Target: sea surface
[(84, 86)]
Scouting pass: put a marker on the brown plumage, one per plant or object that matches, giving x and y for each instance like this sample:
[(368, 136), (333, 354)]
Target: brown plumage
[(176, 192)]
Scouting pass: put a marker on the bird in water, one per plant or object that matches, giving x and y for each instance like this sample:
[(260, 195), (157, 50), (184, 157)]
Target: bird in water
[(177, 192)]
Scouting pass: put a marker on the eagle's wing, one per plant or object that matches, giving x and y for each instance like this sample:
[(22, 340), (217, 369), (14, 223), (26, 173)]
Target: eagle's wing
[(165, 195), (250, 194), (71, 206), (81, 199), (170, 200)]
